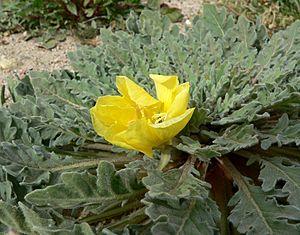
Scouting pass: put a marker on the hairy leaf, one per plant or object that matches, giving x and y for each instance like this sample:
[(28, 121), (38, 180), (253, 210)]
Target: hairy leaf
[(257, 212), (82, 189), (178, 203), (285, 132), (254, 213), (25, 220), (277, 168), (194, 147), (236, 138), (33, 164)]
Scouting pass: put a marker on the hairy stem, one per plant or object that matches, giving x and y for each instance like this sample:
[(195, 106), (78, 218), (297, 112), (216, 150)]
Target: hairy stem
[(117, 211), (244, 187), (136, 217), (98, 146), (164, 158)]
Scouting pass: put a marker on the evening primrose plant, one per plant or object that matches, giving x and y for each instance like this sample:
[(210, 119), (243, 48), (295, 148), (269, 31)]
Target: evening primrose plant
[(75, 146)]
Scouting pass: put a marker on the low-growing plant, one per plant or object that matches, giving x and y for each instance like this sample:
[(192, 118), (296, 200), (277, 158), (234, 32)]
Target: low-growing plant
[(46, 19), (275, 14), (37, 14), (235, 168)]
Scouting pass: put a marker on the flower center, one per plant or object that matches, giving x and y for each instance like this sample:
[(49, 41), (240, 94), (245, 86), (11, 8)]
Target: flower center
[(159, 117)]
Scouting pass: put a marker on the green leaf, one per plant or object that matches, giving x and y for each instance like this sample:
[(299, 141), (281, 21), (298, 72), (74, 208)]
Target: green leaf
[(254, 213), (216, 21), (50, 44), (283, 133), (284, 43), (7, 132), (245, 32), (178, 203), (152, 24), (82, 189), (173, 13), (11, 217), (56, 102), (89, 12), (257, 212), (204, 153), (6, 187), (236, 138), (72, 8), (33, 164), (193, 216), (247, 113), (277, 168), (25, 220), (153, 4)]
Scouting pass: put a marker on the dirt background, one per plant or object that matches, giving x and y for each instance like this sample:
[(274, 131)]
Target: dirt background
[(18, 56)]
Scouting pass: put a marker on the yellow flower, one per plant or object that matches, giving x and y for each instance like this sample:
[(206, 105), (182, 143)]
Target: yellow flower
[(136, 120)]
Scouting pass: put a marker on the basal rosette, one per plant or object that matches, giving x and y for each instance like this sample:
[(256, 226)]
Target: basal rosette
[(136, 120)]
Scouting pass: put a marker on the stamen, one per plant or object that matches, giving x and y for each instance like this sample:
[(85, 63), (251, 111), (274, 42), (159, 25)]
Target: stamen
[(159, 117)]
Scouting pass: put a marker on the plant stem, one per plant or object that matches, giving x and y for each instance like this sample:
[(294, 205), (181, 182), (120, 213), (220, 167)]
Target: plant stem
[(92, 163), (164, 158), (244, 187), (287, 151), (89, 154), (134, 218), (113, 213), (185, 170), (98, 146), (2, 92)]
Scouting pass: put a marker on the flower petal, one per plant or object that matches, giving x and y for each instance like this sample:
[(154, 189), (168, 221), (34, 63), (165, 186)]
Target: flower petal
[(180, 103), (135, 93), (112, 115), (127, 120), (114, 109), (143, 136), (165, 87), (168, 129), (139, 136)]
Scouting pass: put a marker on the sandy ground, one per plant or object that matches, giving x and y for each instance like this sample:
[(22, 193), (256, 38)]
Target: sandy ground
[(18, 56)]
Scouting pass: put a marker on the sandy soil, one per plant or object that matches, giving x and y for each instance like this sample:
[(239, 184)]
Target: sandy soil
[(18, 56)]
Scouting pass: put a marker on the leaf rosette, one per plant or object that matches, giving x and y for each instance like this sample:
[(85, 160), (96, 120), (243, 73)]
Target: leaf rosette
[(234, 170)]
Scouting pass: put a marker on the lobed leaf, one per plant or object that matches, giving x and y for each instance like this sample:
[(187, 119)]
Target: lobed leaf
[(278, 168), (32, 165), (83, 189), (285, 132), (178, 203), (258, 212), (236, 138), (25, 220)]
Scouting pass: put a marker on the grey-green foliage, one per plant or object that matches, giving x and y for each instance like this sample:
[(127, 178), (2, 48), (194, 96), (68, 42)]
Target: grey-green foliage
[(285, 132), (240, 81), (54, 116), (33, 164), (258, 212), (83, 189), (232, 66), (27, 221), (178, 203), (287, 170), (245, 87)]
